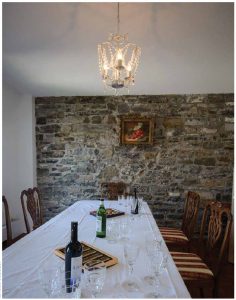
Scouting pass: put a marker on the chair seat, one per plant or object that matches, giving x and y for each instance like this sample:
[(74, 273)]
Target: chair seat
[(173, 236), (191, 266)]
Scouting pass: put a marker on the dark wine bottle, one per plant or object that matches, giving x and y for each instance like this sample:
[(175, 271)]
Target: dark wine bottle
[(73, 259), (101, 220), (134, 209)]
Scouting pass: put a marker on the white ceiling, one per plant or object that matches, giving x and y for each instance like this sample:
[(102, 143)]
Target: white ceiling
[(50, 49)]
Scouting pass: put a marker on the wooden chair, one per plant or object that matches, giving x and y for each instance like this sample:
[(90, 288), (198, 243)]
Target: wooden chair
[(9, 240), (111, 190), (31, 205), (203, 271), (180, 237)]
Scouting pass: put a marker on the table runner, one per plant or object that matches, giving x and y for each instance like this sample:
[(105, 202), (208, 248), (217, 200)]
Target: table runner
[(22, 261)]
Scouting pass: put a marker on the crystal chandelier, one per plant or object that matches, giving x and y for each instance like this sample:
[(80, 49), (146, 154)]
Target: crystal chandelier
[(118, 60)]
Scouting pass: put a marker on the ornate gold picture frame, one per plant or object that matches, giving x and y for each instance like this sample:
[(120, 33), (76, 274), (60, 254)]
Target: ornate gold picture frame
[(136, 130)]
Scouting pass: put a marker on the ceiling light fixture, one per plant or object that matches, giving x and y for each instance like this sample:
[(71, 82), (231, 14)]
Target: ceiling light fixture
[(118, 60)]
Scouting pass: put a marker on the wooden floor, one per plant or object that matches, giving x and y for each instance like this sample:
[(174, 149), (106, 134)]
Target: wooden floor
[(226, 286)]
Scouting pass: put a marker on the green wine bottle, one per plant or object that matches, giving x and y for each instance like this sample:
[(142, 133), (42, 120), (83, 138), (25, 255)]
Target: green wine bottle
[(101, 221)]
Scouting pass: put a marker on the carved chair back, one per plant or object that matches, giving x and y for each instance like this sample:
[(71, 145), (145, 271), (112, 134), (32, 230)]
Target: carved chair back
[(111, 190), (190, 213), (216, 222), (31, 205), (8, 221)]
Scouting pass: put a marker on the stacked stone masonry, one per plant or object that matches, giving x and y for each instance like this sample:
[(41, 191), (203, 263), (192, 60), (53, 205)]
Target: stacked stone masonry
[(78, 147)]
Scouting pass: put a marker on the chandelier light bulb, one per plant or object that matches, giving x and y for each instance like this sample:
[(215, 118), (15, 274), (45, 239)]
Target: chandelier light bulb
[(119, 55)]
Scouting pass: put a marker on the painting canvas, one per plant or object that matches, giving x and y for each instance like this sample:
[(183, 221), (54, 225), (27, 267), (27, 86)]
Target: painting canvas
[(137, 130)]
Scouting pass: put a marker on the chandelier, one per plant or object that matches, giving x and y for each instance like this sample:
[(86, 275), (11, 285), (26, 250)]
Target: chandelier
[(118, 60)]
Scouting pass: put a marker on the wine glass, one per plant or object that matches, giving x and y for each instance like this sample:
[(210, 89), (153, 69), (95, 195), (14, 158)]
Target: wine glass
[(157, 265), (158, 243), (124, 229), (95, 277), (153, 246), (120, 199), (164, 261), (127, 204), (131, 252), (140, 204)]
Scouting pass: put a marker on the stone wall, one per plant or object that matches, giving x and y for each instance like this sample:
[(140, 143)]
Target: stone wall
[(78, 147)]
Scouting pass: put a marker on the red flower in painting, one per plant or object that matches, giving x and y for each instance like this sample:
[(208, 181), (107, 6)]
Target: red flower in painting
[(137, 134)]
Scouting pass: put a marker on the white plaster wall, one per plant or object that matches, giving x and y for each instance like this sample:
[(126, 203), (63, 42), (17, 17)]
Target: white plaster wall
[(187, 47), (18, 146)]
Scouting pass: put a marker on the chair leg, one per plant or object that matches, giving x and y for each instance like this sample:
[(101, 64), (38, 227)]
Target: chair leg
[(202, 292), (215, 291), (188, 247), (215, 288)]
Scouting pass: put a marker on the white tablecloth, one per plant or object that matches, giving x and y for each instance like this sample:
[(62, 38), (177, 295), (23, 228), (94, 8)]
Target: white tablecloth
[(23, 260)]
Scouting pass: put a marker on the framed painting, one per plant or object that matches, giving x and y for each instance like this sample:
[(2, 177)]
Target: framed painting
[(137, 130)]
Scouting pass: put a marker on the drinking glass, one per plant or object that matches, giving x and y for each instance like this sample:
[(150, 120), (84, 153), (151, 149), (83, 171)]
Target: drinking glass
[(153, 246), (127, 204), (158, 269), (120, 199), (151, 252), (95, 277), (158, 243), (157, 261), (50, 280), (71, 291), (112, 231), (164, 261), (133, 203), (125, 229), (140, 204), (131, 253)]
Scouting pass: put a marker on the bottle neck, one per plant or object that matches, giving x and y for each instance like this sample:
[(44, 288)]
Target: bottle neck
[(74, 232), (135, 193)]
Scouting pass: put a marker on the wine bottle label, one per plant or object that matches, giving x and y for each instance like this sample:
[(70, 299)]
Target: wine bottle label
[(76, 269), (99, 224)]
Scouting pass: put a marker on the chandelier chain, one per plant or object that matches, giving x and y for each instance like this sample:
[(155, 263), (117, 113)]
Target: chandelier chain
[(118, 17)]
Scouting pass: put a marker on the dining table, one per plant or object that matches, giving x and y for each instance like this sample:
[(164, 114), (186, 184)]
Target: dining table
[(22, 261)]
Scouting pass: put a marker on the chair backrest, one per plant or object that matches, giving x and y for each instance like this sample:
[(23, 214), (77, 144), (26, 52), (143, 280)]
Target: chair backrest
[(8, 221), (111, 190), (31, 205), (190, 213), (216, 222)]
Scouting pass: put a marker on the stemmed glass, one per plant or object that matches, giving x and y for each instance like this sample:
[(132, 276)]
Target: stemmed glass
[(127, 202), (131, 252), (125, 229), (120, 200), (159, 261), (164, 261), (153, 246), (95, 277), (157, 268), (140, 205)]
